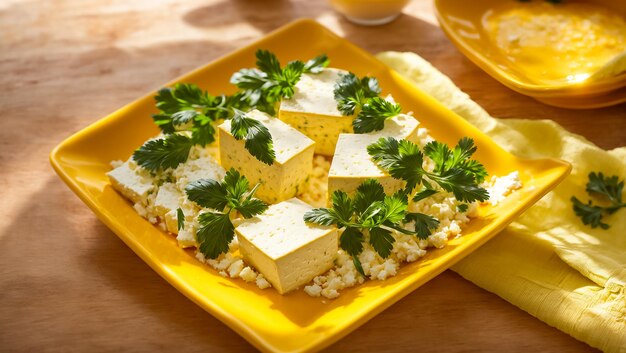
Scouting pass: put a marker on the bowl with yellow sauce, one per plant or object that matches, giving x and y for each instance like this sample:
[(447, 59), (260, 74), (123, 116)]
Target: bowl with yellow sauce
[(568, 53)]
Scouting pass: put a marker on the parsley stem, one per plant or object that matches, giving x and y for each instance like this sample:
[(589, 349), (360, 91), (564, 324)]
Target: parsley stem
[(399, 229)]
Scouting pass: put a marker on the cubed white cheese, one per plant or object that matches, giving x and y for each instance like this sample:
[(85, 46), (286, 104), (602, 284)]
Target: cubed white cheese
[(313, 110), (287, 175), (285, 249), (131, 183)]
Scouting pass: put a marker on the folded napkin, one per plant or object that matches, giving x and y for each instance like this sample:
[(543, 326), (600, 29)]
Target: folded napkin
[(547, 262)]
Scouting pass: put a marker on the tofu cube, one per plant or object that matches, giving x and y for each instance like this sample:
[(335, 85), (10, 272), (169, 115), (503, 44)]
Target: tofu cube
[(166, 203), (287, 175), (285, 249), (352, 165), (313, 110), (131, 183)]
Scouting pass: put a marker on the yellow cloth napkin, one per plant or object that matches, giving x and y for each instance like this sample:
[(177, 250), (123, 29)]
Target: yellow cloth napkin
[(547, 262)]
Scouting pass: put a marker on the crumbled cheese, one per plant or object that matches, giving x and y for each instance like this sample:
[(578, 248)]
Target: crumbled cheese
[(500, 187), (313, 290), (248, 274), (235, 269), (261, 282)]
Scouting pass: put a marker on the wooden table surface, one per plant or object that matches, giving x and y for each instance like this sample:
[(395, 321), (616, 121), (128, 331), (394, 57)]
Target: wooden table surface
[(67, 283)]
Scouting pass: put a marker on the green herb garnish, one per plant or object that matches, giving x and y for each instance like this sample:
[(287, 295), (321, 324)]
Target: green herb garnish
[(263, 87), (186, 107), (216, 229), (163, 153), (371, 211), (608, 188), (187, 117), (257, 136), (360, 96), (180, 219), (454, 170)]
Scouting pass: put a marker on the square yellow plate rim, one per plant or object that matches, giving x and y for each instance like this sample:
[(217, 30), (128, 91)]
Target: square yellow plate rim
[(286, 331)]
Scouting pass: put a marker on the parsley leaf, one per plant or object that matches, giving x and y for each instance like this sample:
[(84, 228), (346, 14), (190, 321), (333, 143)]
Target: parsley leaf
[(609, 188), (250, 208), (207, 193), (382, 241), (458, 158), (424, 193), (454, 170), (317, 64), (351, 240), (216, 230), (263, 87), (373, 115), (351, 92), (165, 152), (367, 193), (402, 159), (257, 136), (215, 233), (424, 224), (361, 97), (321, 216), (589, 214)]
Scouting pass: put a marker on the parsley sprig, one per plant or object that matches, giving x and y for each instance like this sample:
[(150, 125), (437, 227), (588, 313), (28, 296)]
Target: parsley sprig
[(360, 96), (603, 187), (187, 117), (454, 170), (231, 195), (370, 212), (263, 87)]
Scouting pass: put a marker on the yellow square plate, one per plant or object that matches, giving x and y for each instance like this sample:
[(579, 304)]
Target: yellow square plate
[(295, 322), (464, 22)]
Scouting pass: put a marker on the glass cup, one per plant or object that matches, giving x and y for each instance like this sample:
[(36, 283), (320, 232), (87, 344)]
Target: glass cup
[(369, 12)]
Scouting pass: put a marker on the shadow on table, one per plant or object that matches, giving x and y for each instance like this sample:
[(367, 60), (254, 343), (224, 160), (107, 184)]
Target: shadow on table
[(70, 285)]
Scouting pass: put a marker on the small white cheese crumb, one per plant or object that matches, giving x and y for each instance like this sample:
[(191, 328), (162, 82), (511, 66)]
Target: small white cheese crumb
[(140, 210), (330, 293), (500, 187), (235, 269), (438, 239), (313, 290), (248, 274), (261, 282), (200, 257)]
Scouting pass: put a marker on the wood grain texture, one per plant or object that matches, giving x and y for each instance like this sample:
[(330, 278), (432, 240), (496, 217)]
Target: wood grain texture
[(67, 283)]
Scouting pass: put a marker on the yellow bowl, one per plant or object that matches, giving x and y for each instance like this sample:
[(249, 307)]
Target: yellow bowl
[(268, 320), (465, 24)]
